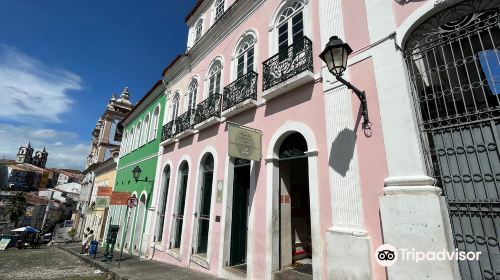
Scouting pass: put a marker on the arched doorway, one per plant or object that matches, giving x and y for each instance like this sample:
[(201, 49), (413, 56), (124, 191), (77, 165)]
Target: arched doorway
[(180, 204), (239, 216), (162, 204), (453, 59), (139, 224), (202, 214), (295, 244), (128, 234)]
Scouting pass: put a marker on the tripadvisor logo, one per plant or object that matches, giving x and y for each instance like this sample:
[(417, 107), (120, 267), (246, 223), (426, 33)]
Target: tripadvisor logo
[(387, 255)]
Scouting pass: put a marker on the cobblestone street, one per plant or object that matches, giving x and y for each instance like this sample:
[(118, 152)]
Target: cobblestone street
[(44, 263)]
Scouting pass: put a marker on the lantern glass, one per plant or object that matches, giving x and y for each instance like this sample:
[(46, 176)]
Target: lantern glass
[(335, 55), (136, 172)]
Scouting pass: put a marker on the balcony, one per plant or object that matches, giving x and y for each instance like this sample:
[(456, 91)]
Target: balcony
[(167, 133), (288, 69), (207, 112), (184, 124), (240, 95)]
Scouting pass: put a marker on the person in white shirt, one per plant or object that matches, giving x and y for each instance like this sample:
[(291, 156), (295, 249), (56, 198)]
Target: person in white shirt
[(90, 238), (84, 240)]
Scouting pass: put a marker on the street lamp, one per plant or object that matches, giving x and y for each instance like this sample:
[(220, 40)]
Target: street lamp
[(335, 56), (136, 173)]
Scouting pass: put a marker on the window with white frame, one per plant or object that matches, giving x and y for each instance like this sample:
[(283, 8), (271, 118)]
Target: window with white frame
[(130, 140), (245, 54), (154, 123), (145, 127), (218, 9), (192, 93), (214, 78), (198, 30), (290, 25), (175, 106), (137, 135), (123, 143)]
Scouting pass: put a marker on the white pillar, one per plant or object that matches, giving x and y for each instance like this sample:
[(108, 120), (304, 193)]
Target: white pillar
[(412, 210), (347, 242)]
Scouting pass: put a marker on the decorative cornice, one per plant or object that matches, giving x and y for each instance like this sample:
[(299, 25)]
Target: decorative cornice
[(233, 17)]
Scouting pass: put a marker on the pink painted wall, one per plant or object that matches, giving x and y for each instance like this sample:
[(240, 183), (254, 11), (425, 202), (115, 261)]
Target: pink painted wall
[(402, 11), (371, 156), (355, 24), (303, 105)]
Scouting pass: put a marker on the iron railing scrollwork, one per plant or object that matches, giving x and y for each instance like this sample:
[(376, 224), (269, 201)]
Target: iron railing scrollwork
[(208, 108), (240, 90), (288, 63), (185, 121), (168, 131), (451, 59)]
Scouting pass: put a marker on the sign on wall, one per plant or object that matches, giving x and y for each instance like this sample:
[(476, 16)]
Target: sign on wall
[(104, 191), (102, 201), (119, 198), (244, 142)]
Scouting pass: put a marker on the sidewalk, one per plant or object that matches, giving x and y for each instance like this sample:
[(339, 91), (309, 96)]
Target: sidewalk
[(134, 268)]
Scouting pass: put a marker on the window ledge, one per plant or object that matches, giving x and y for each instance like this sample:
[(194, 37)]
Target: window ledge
[(207, 123), (184, 134), (236, 109), (200, 260), (288, 85), (168, 141)]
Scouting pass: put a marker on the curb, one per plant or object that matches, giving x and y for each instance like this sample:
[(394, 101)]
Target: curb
[(96, 264)]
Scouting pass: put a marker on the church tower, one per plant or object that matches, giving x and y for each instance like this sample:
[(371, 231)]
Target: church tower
[(24, 154), (43, 158)]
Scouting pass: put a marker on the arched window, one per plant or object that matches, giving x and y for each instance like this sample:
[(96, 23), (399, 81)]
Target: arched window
[(145, 130), (290, 25), (245, 53), (181, 203), (214, 78), (162, 203), (175, 106), (198, 30), (205, 197), (218, 9), (123, 146), (192, 91), (137, 135), (130, 145), (154, 124)]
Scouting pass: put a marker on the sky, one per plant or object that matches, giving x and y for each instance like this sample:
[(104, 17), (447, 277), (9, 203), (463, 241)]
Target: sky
[(60, 62)]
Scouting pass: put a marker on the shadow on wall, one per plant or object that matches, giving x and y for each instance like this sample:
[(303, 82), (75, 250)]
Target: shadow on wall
[(342, 151)]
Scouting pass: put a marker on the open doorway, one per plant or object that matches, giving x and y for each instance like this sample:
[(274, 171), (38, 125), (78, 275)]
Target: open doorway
[(295, 244), (240, 211)]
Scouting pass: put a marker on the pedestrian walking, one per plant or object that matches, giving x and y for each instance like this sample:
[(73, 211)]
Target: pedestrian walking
[(84, 240), (90, 238)]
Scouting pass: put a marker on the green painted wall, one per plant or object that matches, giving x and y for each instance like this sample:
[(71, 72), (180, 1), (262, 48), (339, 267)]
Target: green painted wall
[(146, 157)]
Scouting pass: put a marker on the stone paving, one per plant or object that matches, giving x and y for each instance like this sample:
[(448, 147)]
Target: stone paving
[(134, 268), (44, 263)]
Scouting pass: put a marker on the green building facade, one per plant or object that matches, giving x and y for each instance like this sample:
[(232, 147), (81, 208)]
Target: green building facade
[(141, 135)]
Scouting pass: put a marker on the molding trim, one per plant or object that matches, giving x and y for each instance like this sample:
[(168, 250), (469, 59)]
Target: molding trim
[(413, 190), (409, 181)]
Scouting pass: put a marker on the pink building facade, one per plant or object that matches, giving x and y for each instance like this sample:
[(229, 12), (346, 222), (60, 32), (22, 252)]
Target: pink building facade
[(327, 193)]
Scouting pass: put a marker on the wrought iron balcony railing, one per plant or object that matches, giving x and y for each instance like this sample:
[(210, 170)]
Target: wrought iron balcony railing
[(208, 108), (288, 63), (168, 131), (240, 90), (184, 121)]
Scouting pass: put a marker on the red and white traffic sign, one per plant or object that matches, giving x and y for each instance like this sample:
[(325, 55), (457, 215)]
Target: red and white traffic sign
[(132, 202)]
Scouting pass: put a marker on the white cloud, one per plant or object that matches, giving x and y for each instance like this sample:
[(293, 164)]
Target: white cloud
[(64, 148), (30, 90)]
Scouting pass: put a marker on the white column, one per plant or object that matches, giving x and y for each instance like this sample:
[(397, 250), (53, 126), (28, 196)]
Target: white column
[(412, 210), (348, 245)]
